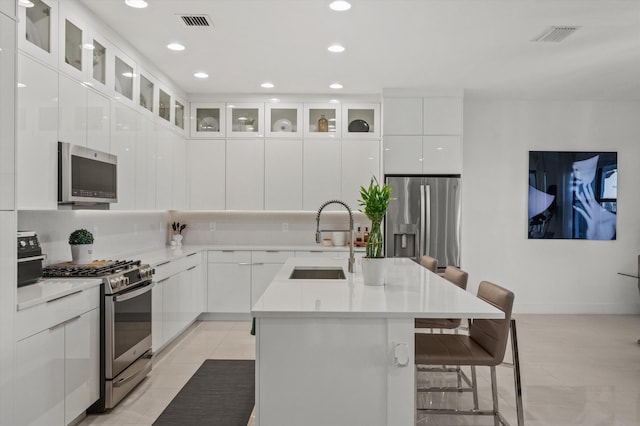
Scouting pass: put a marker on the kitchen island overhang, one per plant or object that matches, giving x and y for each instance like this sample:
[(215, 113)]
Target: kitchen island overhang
[(341, 353)]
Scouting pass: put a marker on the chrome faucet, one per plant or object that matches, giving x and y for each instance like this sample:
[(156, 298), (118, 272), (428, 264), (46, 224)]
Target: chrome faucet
[(319, 231)]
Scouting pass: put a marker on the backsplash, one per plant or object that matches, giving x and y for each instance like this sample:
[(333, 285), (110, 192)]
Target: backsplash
[(120, 233)]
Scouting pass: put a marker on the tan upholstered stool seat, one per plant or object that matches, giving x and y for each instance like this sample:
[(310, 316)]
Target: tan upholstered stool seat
[(450, 349), (437, 323)]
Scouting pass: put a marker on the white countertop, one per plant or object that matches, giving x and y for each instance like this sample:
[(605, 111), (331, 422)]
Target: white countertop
[(52, 288), (411, 291)]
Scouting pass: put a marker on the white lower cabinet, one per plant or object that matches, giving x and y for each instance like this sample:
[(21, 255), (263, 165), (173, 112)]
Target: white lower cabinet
[(177, 298), (57, 359), (265, 266), (229, 281)]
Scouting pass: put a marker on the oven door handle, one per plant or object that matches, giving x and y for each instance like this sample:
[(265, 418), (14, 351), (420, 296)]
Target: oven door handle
[(134, 293), (124, 380)]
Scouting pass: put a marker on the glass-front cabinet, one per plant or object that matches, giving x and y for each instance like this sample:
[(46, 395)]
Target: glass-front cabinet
[(245, 119), (38, 29), (283, 120), (207, 120), (146, 93), (99, 62), (322, 120), (164, 105), (123, 76), (179, 114), (361, 121)]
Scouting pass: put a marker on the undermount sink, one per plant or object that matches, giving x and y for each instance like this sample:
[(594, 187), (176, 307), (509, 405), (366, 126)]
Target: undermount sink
[(317, 273)]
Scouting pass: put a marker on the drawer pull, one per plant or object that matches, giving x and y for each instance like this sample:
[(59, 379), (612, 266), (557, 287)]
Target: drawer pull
[(163, 263), (66, 295), (189, 269), (192, 254)]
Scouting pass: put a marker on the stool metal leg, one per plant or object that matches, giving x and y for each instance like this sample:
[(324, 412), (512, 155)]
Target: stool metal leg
[(474, 381), (516, 373)]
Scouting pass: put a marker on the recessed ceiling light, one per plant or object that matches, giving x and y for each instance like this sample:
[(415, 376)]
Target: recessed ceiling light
[(175, 46), (336, 86), (25, 3), (138, 4), (334, 101), (267, 85), (274, 100), (335, 48), (340, 5), (201, 75)]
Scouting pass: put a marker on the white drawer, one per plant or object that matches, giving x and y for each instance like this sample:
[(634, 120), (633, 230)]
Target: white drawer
[(192, 260), (229, 256), (166, 269), (33, 320), (271, 256)]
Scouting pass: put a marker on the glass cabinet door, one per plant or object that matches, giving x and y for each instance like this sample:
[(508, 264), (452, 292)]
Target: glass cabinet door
[(283, 120), (164, 106), (38, 29), (322, 120), (72, 45), (146, 93), (361, 121), (179, 114), (245, 120), (99, 62), (207, 120), (123, 82)]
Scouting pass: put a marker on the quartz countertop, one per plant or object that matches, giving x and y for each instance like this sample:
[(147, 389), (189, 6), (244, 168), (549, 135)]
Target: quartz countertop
[(52, 288), (411, 291)]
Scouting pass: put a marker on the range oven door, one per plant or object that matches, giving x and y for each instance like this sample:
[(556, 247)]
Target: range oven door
[(127, 328)]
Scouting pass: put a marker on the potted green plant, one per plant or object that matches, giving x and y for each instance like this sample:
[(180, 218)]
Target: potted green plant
[(81, 242), (375, 201)]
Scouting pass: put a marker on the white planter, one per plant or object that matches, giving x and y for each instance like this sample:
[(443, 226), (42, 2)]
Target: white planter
[(82, 253), (374, 271)]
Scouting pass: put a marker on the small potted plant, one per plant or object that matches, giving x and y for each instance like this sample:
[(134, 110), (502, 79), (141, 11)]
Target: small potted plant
[(81, 242), (375, 201)]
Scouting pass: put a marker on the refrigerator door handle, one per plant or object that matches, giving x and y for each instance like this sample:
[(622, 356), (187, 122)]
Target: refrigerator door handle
[(421, 236), (427, 220)]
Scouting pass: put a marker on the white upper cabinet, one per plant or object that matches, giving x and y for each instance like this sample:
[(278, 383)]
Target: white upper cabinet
[(164, 169), (179, 168), (360, 162), (245, 174), (441, 154), (283, 174), (123, 145), (99, 61), (442, 116), (98, 121), (321, 172), (72, 111), (74, 47), (164, 106), (38, 30), (206, 174), (322, 120), (7, 114), (123, 72), (402, 116), (147, 93), (403, 154), (284, 120), (37, 136), (179, 115), (207, 120), (361, 121), (245, 120), (8, 7), (145, 181)]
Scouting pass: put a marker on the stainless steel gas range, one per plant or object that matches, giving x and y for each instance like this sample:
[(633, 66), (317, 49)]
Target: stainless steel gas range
[(125, 323)]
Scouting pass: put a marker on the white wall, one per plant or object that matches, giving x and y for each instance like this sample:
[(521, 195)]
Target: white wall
[(547, 276), (116, 233)]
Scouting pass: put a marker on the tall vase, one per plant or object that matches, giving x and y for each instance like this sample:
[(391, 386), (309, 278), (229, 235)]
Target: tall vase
[(323, 124), (374, 243)]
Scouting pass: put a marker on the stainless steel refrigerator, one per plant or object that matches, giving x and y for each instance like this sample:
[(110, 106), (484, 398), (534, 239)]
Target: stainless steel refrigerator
[(424, 218)]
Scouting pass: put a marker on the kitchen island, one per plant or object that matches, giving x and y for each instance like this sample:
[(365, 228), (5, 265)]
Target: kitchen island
[(337, 352)]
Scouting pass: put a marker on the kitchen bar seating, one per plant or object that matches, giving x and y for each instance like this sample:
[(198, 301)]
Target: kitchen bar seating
[(457, 277), (484, 346), (430, 263)]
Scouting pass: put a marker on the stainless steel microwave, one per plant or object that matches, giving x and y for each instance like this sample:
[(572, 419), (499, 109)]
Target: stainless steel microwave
[(86, 175)]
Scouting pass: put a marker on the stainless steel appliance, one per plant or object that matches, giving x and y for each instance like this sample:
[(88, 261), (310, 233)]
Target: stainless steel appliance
[(424, 219), (30, 258), (86, 176), (125, 323)]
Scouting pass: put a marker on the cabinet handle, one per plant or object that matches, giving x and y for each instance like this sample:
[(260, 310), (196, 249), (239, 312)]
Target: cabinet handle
[(272, 251), (163, 263), (259, 263), (163, 280), (192, 254), (64, 322), (66, 295), (193, 267)]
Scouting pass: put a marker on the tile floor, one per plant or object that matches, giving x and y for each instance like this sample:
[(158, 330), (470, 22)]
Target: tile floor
[(576, 370)]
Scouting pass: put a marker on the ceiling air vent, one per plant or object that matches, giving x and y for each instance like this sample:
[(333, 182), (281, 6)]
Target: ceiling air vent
[(556, 34), (195, 20)]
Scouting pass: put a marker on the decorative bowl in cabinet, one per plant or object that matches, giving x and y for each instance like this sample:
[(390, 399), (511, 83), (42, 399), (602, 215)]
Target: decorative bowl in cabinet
[(358, 125), (282, 125), (208, 124)]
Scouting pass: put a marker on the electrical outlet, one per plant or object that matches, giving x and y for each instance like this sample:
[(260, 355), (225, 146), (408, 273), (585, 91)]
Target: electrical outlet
[(285, 227), (212, 226)]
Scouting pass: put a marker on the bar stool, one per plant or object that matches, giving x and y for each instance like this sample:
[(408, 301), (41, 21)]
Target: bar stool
[(484, 346), (431, 263)]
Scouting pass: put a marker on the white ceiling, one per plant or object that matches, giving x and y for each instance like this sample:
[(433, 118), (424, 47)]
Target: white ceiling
[(482, 46)]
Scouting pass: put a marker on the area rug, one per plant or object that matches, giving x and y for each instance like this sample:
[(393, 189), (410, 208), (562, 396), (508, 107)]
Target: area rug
[(220, 393)]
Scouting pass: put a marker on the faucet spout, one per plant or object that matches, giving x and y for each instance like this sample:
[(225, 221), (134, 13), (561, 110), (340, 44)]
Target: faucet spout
[(319, 231)]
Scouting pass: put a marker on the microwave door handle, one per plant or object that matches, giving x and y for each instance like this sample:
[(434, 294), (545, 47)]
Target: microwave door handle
[(135, 293)]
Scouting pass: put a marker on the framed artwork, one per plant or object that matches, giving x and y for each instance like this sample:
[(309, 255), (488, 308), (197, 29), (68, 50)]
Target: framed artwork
[(573, 195)]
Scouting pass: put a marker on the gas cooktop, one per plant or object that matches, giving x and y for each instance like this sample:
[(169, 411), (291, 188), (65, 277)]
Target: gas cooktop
[(98, 268)]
